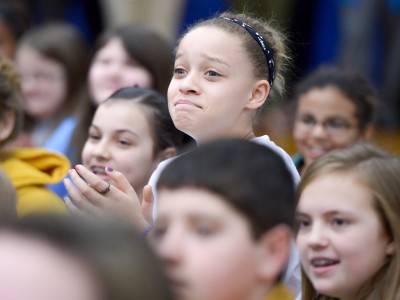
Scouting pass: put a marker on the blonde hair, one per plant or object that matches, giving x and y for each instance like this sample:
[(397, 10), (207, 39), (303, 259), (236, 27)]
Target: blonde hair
[(380, 171), (8, 201)]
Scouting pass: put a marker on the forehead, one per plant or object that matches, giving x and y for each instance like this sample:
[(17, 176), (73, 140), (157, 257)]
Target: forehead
[(326, 101), (338, 190), (117, 112), (192, 201), (211, 39)]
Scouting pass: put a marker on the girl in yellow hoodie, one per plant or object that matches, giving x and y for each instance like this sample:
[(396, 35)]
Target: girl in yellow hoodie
[(29, 169)]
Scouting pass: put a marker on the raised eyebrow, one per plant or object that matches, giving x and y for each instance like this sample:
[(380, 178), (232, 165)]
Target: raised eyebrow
[(217, 60)]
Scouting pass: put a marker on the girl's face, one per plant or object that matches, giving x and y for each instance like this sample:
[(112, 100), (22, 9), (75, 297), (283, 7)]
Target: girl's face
[(341, 239), (207, 246), (211, 86), (112, 68), (120, 137), (325, 120), (44, 83), (44, 272)]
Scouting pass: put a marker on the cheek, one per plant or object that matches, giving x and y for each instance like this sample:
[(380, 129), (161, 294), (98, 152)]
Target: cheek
[(134, 164), (86, 153), (299, 136), (343, 141)]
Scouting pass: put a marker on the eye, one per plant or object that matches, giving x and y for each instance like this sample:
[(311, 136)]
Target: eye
[(307, 120), (204, 231), (103, 60), (340, 222), (158, 231), (337, 123), (212, 73), (302, 223), (94, 136), (124, 142), (178, 72)]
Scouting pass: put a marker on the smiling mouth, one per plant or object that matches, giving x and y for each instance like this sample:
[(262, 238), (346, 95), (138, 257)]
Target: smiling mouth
[(98, 170), (323, 262)]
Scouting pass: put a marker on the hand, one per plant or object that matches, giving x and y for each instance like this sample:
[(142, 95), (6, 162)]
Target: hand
[(119, 201)]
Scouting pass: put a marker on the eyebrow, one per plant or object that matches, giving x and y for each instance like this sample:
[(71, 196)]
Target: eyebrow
[(118, 131), (329, 213), (207, 57)]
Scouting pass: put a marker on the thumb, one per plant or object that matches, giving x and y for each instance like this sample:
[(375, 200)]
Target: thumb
[(148, 203)]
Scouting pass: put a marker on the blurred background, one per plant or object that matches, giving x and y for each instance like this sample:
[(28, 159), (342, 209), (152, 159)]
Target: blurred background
[(363, 35)]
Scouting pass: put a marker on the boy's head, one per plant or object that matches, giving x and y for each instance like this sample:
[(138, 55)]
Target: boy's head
[(225, 215), (11, 110)]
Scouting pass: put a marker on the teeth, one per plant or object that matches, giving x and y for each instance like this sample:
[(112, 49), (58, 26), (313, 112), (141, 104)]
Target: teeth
[(322, 262), (98, 170)]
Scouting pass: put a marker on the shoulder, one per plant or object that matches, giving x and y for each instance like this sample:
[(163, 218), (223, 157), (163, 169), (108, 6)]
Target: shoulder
[(36, 199), (266, 141), (279, 292)]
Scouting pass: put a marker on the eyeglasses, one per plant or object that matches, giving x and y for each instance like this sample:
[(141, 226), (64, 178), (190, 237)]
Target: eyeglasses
[(332, 126)]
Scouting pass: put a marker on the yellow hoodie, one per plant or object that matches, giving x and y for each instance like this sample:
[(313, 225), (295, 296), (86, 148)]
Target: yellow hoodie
[(279, 292), (30, 169)]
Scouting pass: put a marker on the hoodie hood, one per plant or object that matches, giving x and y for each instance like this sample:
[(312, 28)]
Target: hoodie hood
[(34, 166)]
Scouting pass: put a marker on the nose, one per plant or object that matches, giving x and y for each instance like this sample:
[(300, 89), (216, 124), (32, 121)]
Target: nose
[(170, 247), (317, 236), (102, 150), (189, 84), (114, 70), (318, 131)]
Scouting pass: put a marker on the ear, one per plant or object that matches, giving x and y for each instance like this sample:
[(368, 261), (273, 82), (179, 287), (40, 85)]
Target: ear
[(7, 123), (391, 249), (274, 253), (259, 94), (166, 153), (367, 133)]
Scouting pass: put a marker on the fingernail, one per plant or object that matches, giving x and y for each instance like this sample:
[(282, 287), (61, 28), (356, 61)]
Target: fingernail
[(109, 169), (77, 167)]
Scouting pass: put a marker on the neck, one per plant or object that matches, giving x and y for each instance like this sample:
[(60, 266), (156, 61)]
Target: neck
[(250, 135)]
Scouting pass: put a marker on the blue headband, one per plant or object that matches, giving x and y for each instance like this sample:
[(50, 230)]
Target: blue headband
[(264, 46)]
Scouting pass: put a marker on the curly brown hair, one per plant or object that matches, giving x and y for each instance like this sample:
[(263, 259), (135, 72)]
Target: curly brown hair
[(10, 95)]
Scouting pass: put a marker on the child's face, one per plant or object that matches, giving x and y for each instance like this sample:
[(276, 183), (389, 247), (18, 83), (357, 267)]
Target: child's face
[(44, 272), (44, 83), (206, 246), (326, 106), (112, 69), (211, 85), (341, 239), (120, 137)]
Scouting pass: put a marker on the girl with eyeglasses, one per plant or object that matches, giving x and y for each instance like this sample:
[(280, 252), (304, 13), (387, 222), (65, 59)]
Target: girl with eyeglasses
[(333, 109)]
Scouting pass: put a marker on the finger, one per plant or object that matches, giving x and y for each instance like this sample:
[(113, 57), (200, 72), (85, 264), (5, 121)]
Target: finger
[(148, 203), (79, 201), (84, 196), (121, 182), (72, 208), (91, 179)]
